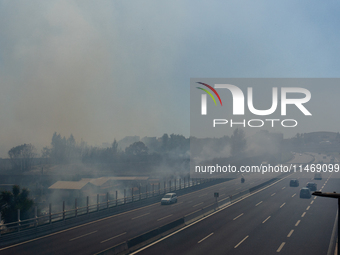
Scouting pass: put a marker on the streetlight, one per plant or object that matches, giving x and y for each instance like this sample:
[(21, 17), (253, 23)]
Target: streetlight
[(333, 195)]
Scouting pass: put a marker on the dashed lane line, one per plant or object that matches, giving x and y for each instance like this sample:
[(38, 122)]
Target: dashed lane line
[(294, 195), (303, 215), (281, 246), (139, 216), (177, 204), (83, 235), (297, 223), (259, 203), (290, 233), (238, 216), (165, 217), (266, 219), (282, 205), (205, 238), (113, 237), (237, 245)]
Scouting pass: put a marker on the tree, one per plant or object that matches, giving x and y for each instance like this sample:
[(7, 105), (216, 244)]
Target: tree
[(10, 202), (114, 147), (45, 152), (22, 156), (238, 142), (137, 149), (165, 139)]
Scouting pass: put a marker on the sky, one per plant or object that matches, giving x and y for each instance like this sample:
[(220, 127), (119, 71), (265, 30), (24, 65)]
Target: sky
[(103, 70)]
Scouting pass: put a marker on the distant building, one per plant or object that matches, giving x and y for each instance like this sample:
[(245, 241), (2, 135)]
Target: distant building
[(65, 189), (90, 186)]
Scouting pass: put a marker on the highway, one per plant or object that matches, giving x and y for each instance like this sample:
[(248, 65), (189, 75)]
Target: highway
[(277, 207), (275, 220)]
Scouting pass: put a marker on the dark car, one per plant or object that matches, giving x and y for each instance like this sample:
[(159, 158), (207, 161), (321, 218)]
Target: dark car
[(242, 180), (311, 186), (294, 183), (305, 193), (317, 176)]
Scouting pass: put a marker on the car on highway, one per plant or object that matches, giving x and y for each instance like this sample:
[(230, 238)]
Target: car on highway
[(294, 183), (169, 198), (305, 193), (311, 186), (242, 180), (317, 176)]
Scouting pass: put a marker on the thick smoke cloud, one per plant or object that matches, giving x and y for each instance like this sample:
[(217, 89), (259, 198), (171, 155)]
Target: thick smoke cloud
[(82, 68)]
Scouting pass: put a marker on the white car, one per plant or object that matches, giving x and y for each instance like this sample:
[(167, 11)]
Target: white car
[(169, 198)]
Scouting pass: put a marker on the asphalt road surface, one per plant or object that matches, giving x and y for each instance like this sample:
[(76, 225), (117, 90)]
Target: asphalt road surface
[(273, 221)]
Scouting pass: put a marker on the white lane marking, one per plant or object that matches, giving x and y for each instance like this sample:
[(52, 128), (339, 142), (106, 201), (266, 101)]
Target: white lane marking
[(290, 233), (259, 203), (282, 205), (281, 246), (273, 194), (303, 215), (235, 194), (266, 219), (205, 238), (165, 217), (297, 223), (312, 202), (139, 216), (192, 212), (197, 204), (315, 198), (283, 187), (307, 208), (113, 237), (83, 235), (238, 216), (237, 245), (203, 195), (176, 204), (294, 195)]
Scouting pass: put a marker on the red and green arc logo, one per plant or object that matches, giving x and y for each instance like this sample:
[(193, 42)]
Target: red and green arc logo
[(209, 93)]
